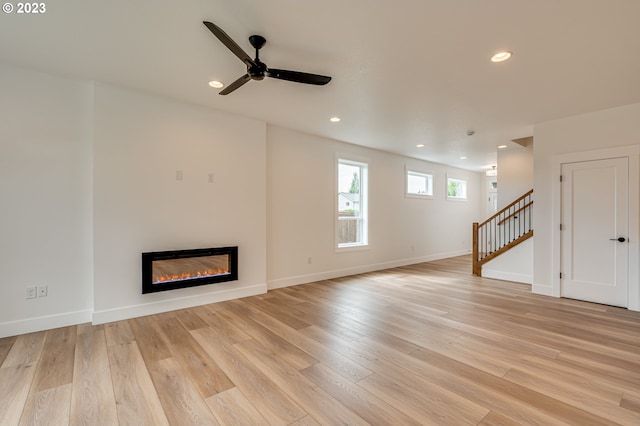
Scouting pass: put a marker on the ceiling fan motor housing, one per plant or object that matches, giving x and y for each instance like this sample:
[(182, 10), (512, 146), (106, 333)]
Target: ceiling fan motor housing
[(257, 71)]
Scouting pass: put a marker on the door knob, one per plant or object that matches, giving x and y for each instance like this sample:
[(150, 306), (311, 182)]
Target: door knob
[(621, 239)]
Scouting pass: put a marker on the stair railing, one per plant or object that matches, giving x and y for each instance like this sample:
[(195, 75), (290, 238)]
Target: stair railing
[(502, 231)]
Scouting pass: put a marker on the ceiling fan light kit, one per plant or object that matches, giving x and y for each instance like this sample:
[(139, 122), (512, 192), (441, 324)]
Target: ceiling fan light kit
[(256, 69)]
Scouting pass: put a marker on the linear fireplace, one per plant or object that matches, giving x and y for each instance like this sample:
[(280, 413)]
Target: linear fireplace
[(169, 270)]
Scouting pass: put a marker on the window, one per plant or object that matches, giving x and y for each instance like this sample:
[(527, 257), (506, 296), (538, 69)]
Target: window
[(419, 185), (351, 226), (456, 189)]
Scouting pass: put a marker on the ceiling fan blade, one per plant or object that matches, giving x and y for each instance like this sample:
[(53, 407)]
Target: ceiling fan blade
[(236, 84), (298, 77), (231, 45)]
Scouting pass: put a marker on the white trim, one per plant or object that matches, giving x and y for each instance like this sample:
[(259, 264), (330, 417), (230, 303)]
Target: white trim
[(32, 325), (349, 247), (118, 314), (542, 290), (632, 152), (337, 273), (364, 164), (458, 178), (507, 276), (415, 171)]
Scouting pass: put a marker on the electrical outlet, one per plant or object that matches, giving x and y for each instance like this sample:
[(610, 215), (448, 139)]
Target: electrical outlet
[(31, 292), (42, 291)]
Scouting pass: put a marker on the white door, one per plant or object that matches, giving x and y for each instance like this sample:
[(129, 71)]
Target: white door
[(595, 230)]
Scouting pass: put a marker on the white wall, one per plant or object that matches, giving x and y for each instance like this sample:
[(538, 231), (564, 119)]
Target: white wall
[(616, 127), (515, 178), (140, 143), (45, 200), (301, 211), (515, 173)]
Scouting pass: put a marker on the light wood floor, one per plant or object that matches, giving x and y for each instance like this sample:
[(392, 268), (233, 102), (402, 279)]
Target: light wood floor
[(424, 344)]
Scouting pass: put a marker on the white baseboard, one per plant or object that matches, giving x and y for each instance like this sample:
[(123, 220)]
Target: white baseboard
[(507, 276), (32, 325), (127, 312), (337, 273)]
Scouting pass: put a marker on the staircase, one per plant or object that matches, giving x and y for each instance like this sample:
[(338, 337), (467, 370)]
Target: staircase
[(502, 231)]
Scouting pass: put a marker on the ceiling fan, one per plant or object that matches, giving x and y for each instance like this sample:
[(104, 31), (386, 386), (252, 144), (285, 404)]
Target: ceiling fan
[(256, 69)]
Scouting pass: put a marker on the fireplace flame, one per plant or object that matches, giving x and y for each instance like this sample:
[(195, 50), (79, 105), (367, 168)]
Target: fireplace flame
[(189, 276)]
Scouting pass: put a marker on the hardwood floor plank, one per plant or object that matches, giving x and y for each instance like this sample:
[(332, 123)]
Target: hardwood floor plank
[(48, 407), (92, 398), (306, 421), (430, 404), (197, 364), (326, 320), (496, 385), (288, 315), (5, 346), (366, 405), (338, 363), (315, 401), (450, 406), (573, 397), (190, 320), (270, 400), (14, 389), (608, 389), (280, 347), (179, 396), (26, 350), (150, 341), (230, 332), (118, 333), (137, 402), (631, 403), (231, 407), (447, 379), (55, 367), (497, 419)]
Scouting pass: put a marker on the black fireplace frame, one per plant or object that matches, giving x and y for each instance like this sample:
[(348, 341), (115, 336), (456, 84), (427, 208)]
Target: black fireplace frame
[(147, 269)]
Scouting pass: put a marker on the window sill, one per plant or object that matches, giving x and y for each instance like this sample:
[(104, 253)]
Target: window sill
[(351, 247), (419, 196)]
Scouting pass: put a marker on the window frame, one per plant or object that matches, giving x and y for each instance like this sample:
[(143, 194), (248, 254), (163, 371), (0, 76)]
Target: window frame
[(459, 179), (430, 183), (364, 165)]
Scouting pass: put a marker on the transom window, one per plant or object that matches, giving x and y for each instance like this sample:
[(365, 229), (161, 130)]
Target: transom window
[(419, 184), (456, 188)]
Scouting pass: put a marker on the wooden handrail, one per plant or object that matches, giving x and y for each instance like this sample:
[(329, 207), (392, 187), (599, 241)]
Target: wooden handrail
[(515, 213), (522, 197)]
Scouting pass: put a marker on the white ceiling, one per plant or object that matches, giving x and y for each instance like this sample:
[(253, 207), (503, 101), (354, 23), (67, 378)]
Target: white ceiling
[(405, 72)]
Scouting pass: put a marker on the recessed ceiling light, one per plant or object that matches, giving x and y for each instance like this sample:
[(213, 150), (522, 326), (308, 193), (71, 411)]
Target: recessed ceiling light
[(463, 158), (501, 56), (335, 119), (216, 84), (502, 146), (420, 145)]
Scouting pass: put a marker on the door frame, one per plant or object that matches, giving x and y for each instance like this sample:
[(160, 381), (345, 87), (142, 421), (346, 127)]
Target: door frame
[(632, 152)]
